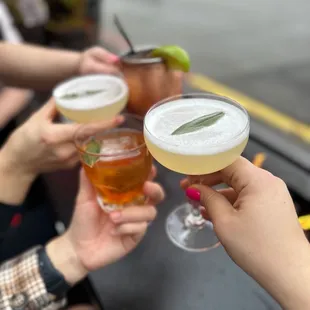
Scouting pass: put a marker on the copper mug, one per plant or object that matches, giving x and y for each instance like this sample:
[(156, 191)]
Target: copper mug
[(149, 80)]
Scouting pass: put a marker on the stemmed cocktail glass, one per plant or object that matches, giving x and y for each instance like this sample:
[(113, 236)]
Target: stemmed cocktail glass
[(214, 133)]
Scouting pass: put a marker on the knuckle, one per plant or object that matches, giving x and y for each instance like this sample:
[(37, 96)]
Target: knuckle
[(266, 173), (65, 155), (264, 177), (152, 213), (272, 179), (209, 197), (48, 137), (143, 226), (280, 183), (159, 193)]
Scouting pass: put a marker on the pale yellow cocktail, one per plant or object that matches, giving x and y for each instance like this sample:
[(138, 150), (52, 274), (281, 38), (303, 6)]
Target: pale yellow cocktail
[(200, 152), (195, 134), (91, 98)]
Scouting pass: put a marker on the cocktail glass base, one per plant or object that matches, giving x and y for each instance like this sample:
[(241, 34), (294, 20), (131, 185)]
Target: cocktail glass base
[(188, 237), (107, 207), (110, 207)]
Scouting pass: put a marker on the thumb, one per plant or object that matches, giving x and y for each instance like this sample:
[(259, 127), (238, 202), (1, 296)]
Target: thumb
[(86, 190), (216, 205)]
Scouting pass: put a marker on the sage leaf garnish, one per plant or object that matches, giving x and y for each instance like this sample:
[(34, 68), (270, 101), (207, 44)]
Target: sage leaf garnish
[(92, 147), (80, 95), (199, 123)]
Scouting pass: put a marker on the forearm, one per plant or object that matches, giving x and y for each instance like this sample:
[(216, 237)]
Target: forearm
[(289, 283), (14, 185), (12, 101), (35, 67)]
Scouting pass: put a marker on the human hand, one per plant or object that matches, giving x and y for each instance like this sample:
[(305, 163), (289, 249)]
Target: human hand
[(39, 145), (95, 238), (256, 222), (98, 60)]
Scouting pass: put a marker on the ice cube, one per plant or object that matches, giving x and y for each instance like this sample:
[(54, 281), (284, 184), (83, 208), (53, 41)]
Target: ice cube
[(119, 148)]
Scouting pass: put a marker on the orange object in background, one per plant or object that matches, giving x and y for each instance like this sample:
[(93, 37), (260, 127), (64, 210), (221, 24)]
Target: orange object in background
[(259, 159)]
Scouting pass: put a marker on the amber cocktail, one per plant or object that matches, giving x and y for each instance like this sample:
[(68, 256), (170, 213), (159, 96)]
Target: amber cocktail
[(116, 161)]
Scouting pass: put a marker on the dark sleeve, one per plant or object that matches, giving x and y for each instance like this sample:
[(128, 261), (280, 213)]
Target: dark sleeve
[(6, 214)]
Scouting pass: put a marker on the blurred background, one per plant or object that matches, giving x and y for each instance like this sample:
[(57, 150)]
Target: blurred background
[(256, 52)]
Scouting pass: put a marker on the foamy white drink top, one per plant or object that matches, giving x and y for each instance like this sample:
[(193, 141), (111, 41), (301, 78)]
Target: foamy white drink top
[(229, 131), (114, 90)]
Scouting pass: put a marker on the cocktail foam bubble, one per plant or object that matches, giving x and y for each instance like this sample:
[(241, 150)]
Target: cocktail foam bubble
[(111, 89), (228, 132)]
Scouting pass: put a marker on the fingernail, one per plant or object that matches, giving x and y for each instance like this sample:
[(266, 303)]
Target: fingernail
[(193, 193), (114, 58), (115, 216)]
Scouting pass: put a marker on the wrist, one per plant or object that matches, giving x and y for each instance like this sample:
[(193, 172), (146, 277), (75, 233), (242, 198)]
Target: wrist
[(64, 258), (78, 64), (14, 179), (289, 281)]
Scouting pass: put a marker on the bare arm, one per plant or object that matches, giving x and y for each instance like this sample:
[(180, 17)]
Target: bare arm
[(15, 184), (35, 67), (12, 101)]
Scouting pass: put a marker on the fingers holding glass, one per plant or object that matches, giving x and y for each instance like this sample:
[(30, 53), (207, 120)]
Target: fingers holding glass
[(198, 135), (117, 163)]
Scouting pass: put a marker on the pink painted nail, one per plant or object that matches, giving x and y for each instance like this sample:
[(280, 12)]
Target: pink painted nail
[(114, 58), (193, 193)]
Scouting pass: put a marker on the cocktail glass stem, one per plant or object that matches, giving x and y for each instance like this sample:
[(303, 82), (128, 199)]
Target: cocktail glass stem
[(188, 229)]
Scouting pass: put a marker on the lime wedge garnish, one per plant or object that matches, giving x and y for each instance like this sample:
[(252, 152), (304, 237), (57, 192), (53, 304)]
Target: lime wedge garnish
[(175, 57)]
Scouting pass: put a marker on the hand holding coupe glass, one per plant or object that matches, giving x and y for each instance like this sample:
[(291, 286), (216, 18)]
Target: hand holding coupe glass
[(195, 134)]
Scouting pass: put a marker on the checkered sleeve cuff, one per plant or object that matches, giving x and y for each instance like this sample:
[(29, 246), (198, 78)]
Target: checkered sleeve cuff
[(22, 287)]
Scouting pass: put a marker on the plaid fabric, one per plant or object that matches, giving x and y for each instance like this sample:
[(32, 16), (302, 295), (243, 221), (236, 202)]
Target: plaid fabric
[(21, 285)]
